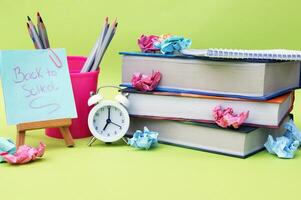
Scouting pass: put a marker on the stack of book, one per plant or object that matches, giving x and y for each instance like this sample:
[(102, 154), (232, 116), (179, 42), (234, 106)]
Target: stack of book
[(181, 107)]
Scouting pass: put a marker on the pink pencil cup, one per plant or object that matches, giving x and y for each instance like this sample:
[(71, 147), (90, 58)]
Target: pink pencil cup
[(82, 85)]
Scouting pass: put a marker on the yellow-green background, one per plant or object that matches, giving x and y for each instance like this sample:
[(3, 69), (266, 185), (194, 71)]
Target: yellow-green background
[(118, 171)]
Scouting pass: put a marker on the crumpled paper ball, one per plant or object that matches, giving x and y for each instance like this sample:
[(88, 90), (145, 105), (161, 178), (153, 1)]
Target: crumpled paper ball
[(146, 43), (144, 82), (292, 132), (172, 44), (286, 145), (144, 140), (226, 117), (6, 146), (24, 154)]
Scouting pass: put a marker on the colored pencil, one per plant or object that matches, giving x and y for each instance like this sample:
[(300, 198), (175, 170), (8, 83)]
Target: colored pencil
[(111, 37), (114, 31), (105, 29), (90, 60), (31, 36), (39, 27), (105, 43), (35, 34), (42, 31)]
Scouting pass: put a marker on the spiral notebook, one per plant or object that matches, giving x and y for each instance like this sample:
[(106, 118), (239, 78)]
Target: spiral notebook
[(272, 54)]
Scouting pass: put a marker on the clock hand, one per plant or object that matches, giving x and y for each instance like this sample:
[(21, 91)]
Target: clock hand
[(108, 122), (116, 124), (109, 112), (106, 126)]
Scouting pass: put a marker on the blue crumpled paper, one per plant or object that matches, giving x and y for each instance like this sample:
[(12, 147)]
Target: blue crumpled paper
[(144, 140), (286, 145), (7, 146), (173, 44)]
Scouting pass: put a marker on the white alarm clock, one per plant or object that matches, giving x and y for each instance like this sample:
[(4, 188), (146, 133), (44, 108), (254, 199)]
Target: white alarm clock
[(108, 120)]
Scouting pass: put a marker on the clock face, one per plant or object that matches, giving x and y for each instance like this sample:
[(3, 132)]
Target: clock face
[(108, 121)]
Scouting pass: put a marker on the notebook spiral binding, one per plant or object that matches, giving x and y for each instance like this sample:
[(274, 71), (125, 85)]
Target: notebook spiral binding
[(285, 55)]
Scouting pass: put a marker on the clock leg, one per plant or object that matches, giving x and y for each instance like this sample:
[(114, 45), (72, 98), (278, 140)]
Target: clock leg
[(91, 141), (125, 140)]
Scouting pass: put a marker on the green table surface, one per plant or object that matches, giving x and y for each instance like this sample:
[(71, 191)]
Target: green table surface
[(120, 172)]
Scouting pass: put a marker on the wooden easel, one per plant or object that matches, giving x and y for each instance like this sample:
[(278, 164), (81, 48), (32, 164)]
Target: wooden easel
[(62, 124)]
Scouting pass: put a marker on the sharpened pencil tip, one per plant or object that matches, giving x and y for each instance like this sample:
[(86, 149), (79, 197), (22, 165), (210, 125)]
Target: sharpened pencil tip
[(27, 24), (28, 18), (38, 14), (115, 22), (107, 19)]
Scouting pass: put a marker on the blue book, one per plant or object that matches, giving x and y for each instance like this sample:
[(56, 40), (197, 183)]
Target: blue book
[(254, 79)]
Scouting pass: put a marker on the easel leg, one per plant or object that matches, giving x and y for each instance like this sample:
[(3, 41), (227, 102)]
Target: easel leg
[(67, 136), (20, 138)]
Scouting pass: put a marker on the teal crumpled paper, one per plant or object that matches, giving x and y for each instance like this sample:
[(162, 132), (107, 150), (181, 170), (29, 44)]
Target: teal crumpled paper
[(6, 146), (144, 140), (286, 145), (173, 44)]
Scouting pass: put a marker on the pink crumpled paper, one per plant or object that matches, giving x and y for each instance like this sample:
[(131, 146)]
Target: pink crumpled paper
[(227, 117), (147, 43), (144, 82), (25, 154)]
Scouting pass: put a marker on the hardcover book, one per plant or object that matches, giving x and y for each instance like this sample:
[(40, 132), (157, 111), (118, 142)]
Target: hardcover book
[(242, 142), (249, 79), (199, 108)]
